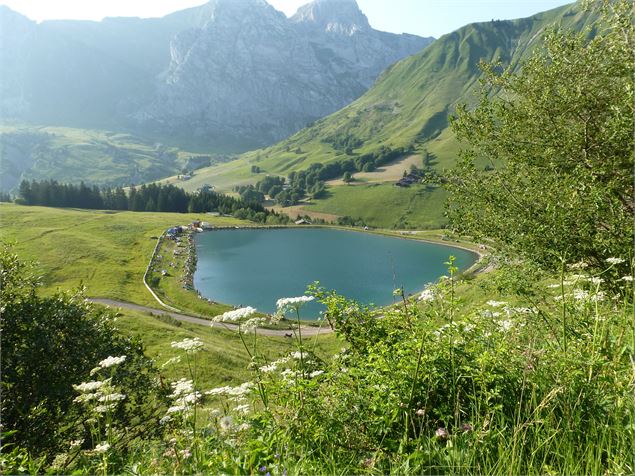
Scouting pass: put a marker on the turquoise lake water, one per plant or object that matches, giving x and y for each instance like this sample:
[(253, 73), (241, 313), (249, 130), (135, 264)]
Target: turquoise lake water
[(251, 267)]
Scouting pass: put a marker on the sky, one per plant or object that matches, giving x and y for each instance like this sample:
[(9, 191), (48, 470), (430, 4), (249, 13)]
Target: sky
[(420, 17)]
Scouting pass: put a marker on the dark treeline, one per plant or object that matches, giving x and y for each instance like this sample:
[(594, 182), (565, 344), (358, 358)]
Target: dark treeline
[(148, 198)]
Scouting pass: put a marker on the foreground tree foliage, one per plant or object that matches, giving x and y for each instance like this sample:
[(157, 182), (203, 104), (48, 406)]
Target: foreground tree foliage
[(50, 344), (557, 144)]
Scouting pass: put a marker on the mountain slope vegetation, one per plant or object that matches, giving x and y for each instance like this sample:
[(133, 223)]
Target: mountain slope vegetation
[(408, 107)]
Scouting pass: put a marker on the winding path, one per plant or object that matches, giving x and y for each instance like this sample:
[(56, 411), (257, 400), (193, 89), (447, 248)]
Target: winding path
[(306, 330)]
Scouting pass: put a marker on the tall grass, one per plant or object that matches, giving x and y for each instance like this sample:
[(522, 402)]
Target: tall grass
[(545, 388)]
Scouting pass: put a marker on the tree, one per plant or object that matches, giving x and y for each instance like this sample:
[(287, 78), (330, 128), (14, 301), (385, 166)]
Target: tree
[(347, 178), (51, 343), (559, 137)]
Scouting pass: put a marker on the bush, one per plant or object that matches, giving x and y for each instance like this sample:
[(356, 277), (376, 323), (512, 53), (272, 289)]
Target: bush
[(48, 345)]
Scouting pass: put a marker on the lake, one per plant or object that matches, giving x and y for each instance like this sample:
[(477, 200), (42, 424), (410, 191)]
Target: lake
[(255, 267)]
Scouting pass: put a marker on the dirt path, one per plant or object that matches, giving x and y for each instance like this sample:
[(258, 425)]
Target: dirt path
[(306, 330)]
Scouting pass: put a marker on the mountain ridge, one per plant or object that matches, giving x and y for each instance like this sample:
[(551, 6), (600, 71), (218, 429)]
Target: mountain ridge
[(181, 75)]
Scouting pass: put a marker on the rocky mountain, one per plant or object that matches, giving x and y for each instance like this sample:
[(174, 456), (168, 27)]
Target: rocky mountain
[(230, 74)]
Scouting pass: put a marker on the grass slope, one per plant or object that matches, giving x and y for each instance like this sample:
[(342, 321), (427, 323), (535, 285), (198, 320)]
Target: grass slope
[(223, 360), (409, 104), (103, 250), (72, 155)]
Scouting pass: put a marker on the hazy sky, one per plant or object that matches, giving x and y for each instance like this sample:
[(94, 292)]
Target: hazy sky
[(422, 17)]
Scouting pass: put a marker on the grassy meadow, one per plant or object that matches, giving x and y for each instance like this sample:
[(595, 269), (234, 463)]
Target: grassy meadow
[(105, 251), (223, 360)]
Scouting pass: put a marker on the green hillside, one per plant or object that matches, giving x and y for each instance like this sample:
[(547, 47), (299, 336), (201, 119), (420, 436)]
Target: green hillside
[(93, 156), (409, 105)]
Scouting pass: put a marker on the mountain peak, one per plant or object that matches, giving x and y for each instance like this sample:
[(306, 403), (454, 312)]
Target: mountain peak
[(336, 16)]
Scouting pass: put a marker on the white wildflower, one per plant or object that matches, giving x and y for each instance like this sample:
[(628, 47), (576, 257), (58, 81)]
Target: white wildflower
[(113, 397), (235, 315), (268, 368), (102, 448), (614, 260), (252, 324), (316, 373), (627, 278), (580, 294), (505, 325), (217, 391), (296, 355), (181, 387), (89, 386), (173, 360), (76, 443), (226, 423), (104, 408), (426, 295), (242, 408), (165, 419), (596, 281), (243, 427), (176, 409), (579, 265), (284, 304), (110, 361), (189, 345), (597, 297), (493, 303)]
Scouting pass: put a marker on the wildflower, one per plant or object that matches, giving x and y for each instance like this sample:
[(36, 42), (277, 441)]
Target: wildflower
[(285, 304), (466, 427), (235, 315), (627, 278), (614, 260), (421, 412), (242, 409), (226, 423), (505, 325), (243, 427), (76, 443), (104, 408), (262, 469), (182, 387), (102, 448), (578, 265), (316, 373), (189, 345), (597, 297), (252, 324), (185, 453), (398, 292), (176, 409), (493, 303), (165, 419), (89, 386), (596, 281), (173, 360), (268, 368), (112, 397), (580, 294), (110, 361), (296, 355), (442, 434), (426, 295)]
